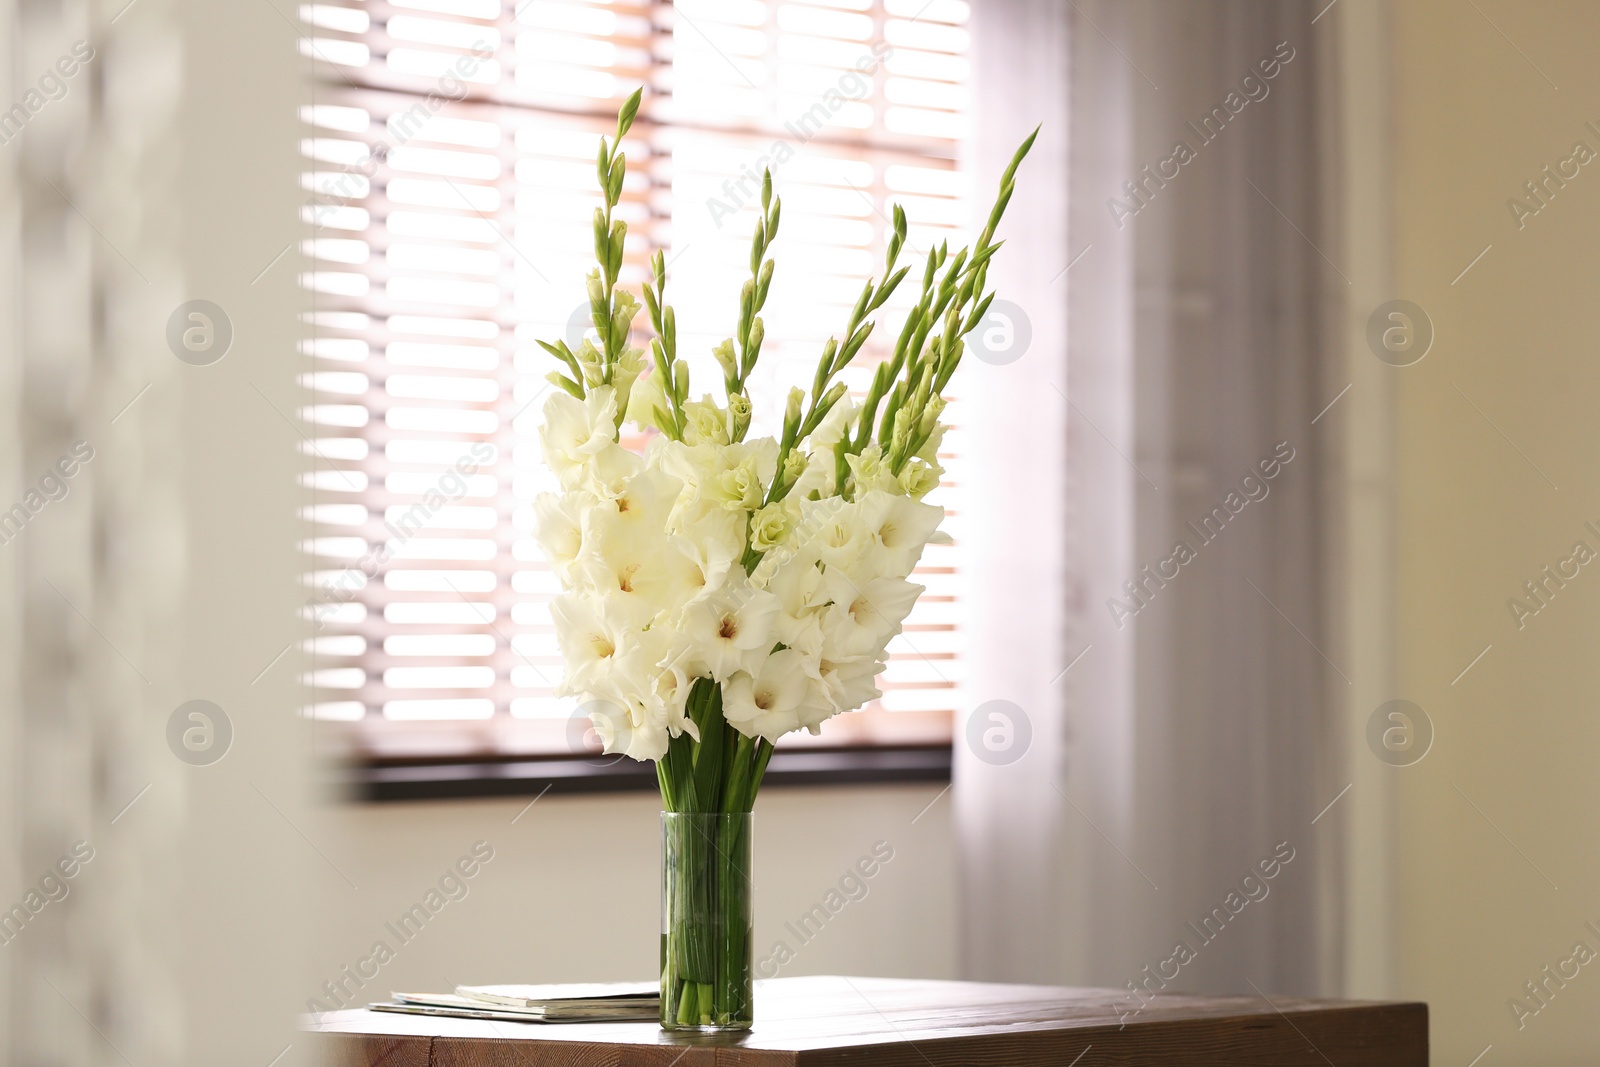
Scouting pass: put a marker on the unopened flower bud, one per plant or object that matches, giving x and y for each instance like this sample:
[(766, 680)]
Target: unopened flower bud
[(738, 416), (591, 362), (726, 357), (769, 527)]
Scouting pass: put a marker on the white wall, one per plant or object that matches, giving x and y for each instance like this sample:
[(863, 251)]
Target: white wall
[(1510, 795), (572, 892)]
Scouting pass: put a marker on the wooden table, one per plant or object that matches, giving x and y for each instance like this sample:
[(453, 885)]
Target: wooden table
[(878, 1022)]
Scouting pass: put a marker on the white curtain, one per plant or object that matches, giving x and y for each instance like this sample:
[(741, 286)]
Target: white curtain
[(1178, 355), (163, 567)]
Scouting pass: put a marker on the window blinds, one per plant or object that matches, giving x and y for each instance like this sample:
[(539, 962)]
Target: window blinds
[(449, 189)]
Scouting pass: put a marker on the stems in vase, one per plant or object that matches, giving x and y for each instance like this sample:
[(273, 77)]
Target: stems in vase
[(706, 921)]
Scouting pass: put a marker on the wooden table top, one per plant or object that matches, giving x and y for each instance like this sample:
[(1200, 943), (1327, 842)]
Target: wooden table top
[(895, 1023)]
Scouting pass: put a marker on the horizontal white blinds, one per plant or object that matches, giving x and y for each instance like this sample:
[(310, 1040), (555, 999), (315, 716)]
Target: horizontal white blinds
[(449, 191)]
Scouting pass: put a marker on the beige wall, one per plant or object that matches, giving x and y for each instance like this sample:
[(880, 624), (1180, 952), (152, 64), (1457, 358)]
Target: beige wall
[(1518, 735), (571, 893)]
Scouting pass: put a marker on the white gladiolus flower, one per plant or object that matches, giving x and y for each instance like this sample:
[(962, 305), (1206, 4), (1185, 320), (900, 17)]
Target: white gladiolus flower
[(631, 731), (637, 513), (862, 618), (834, 426), (711, 561), (558, 527), (764, 703), (608, 472), (590, 637), (798, 586), (654, 672), (848, 685), (641, 580), (837, 535), (731, 632), (575, 431), (898, 527)]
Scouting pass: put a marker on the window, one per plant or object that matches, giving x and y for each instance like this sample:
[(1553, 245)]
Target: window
[(449, 193)]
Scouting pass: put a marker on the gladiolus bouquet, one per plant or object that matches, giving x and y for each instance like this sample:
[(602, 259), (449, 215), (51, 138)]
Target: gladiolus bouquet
[(721, 591)]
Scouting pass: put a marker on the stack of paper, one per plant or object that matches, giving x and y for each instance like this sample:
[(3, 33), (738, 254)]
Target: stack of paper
[(595, 1002)]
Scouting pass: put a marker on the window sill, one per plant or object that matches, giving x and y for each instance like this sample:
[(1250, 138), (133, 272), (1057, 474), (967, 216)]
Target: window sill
[(375, 781)]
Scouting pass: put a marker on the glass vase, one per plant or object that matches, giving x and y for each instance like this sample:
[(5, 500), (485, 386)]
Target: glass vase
[(706, 917)]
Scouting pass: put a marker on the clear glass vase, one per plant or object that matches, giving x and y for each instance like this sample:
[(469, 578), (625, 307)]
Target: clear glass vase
[(706, 920)]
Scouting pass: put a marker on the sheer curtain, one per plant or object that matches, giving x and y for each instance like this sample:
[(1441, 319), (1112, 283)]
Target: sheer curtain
[(1184, 704)]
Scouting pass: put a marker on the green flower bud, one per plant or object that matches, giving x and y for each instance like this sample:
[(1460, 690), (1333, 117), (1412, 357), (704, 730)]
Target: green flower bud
[(770, 527), (795, 466), (592, 362), (791, 414), (727, 358), (738, 416)]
